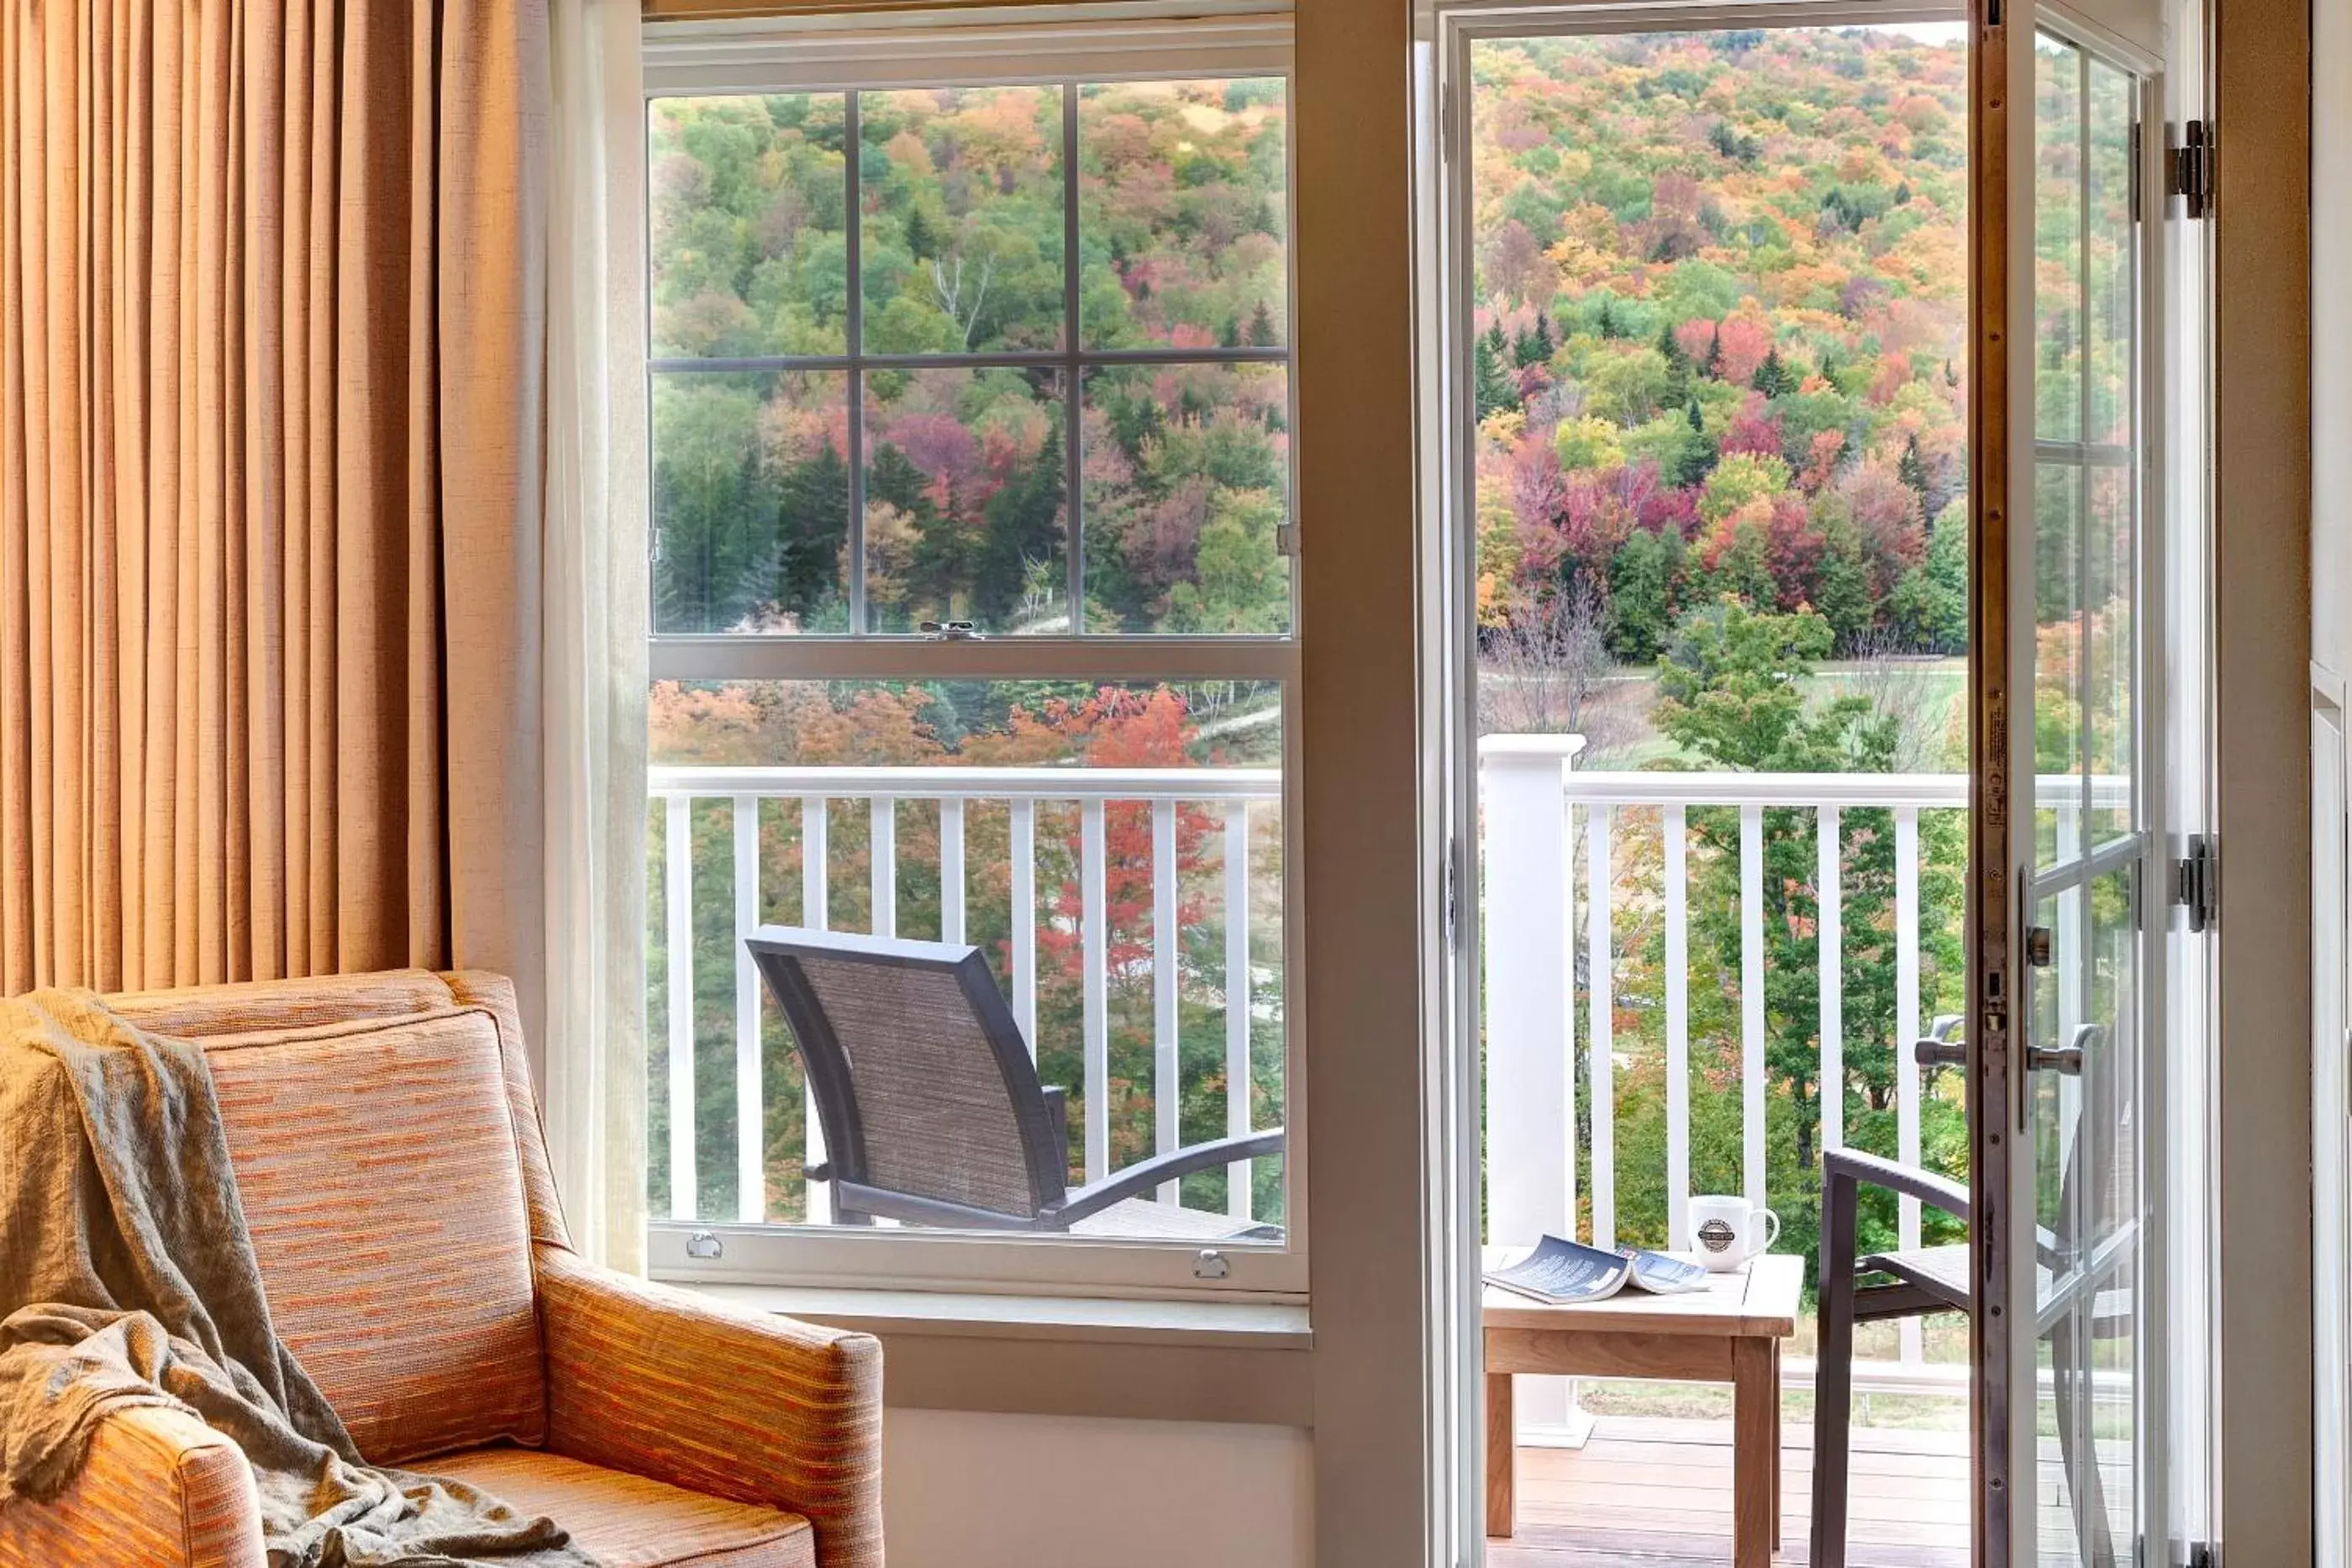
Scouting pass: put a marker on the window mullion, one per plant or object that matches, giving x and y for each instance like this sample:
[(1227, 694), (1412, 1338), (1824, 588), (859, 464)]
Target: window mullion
[(852, 144)]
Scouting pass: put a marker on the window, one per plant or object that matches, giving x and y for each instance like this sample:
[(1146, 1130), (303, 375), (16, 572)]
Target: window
[(973, 625)]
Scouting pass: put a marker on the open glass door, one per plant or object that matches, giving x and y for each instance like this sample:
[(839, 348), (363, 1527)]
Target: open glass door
[(2088, 1024)]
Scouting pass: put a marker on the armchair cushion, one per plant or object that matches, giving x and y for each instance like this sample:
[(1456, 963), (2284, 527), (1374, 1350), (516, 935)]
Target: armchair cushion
[(627, 1521), (159, 1489), (758, 1409), (376, 1160)]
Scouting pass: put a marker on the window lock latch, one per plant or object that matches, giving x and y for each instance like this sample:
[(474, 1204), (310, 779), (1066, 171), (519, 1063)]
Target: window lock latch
[(953, 631)]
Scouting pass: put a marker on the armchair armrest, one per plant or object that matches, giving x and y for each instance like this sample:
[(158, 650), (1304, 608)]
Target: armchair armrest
[(159, 1487), (756, 1408), (1855, 1166), (1141, 1178)]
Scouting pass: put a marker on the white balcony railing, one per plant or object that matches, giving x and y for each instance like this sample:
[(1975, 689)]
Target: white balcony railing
[(880, 791)]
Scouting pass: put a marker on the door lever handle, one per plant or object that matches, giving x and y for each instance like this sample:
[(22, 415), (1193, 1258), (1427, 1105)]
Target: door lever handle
[(2066, 1058), (1942, 1048)]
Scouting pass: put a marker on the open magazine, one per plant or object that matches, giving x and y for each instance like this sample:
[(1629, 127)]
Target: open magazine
[(1560, 1273)]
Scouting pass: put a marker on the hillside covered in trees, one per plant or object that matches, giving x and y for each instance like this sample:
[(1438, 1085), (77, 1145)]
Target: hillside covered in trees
[(1720, 303)]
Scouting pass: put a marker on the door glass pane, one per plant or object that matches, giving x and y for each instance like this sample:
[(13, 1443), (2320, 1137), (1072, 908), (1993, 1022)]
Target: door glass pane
[(2085, 1027)]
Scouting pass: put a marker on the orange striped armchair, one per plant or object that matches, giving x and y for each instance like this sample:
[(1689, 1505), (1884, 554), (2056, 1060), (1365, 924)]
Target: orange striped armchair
[(388, 1150)]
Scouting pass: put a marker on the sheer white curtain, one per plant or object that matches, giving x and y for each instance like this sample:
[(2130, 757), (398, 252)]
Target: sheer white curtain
[(595, 625)]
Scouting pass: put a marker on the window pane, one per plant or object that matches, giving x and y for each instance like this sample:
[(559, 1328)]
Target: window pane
[(962, 220), (1186, 484), (2058, 663), (2058, 241), (965, 517), (2112, 292), (750, 501), (748, 246), (1181, 232), (1088, 881)]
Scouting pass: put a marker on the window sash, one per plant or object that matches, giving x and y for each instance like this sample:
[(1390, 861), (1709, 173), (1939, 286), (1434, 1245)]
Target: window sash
[(708, 60)]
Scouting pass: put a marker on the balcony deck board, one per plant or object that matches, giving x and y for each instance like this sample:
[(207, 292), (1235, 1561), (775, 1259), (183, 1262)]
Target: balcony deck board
[(1656, 1492)]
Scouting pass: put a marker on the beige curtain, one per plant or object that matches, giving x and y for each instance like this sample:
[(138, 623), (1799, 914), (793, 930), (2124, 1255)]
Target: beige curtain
[(271, 282)]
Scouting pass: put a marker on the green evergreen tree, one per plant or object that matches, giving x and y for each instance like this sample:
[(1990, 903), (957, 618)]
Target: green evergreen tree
[(1261, 328), (1495, 390), (922, 239), (1696, 458), (1678, 366), (812, 529), (1772, 378), (1712, 366), (1912, 469), (1642, 578)]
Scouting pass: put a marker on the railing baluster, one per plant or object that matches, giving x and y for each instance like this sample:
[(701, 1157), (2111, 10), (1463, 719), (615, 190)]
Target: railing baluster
[(1906, 1033), (951, 869), (1751, 1001), (677, 927), (751, 1130), (1677, 852), (882, 874), (1094, 920), (1024, 920), (1167, 1089), (1829, 966), (1600, 1026), (816, 895), (1237, 1002)]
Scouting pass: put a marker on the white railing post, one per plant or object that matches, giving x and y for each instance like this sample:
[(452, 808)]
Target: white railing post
[(1751, 1001), (677, 928), (1600, 1026), (1167, 1086), (1238, 1196), (816, 899), (1024, 920), (1528, 997), (882, 863), (951, 869), (1677, 854), (1907, 1035), (751, 1176), (1094, 925), (1829, 873)]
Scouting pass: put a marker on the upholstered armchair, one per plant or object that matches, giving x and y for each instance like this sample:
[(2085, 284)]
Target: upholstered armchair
[(388, 1150)]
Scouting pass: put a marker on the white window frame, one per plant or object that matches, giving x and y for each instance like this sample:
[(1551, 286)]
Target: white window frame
[(816, 54)]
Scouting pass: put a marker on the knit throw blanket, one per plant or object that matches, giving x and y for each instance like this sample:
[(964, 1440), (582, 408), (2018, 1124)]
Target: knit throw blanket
[(127, 1278)]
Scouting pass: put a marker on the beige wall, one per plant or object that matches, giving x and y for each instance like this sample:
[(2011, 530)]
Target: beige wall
[(968, 1490)]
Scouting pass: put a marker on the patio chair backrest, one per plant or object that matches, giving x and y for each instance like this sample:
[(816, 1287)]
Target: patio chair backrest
[(923, 1084)]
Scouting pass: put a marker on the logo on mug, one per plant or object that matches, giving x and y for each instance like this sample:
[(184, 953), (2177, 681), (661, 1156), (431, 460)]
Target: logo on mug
[(1717, 1235)]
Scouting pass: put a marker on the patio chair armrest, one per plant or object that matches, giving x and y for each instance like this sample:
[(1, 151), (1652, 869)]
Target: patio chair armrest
[(1138, 1179), (755, 1407), (1937, 1192), (158, 1487)]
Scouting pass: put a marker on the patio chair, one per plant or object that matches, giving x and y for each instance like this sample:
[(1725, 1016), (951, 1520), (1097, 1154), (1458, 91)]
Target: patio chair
[(931, 1107), (2072, 1297)]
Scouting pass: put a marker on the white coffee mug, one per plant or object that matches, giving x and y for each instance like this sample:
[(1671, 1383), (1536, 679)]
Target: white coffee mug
[(1728, 1231)]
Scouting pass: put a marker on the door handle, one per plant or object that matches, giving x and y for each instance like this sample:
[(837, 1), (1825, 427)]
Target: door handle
[(2066, 1058), (1941, 1048)]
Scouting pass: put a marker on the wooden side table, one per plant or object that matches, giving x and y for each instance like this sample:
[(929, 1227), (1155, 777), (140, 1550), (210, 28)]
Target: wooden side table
[(1730, 1332)]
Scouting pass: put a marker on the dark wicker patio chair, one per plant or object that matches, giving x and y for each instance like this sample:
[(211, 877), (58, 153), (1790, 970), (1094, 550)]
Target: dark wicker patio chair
[(2073, 1296), (931, 1107)]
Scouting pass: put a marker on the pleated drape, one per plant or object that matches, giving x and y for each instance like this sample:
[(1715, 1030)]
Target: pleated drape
[(271, 347)]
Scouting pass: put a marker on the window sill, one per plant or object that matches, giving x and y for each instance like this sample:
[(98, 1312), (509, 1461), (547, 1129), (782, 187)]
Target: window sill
[(1157, 1360)]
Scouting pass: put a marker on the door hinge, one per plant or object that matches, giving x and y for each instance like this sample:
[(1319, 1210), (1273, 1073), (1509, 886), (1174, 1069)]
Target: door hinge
[(1445, 123), (2197, 882), (2189, 169), (1286, 539), (2202, 1555)]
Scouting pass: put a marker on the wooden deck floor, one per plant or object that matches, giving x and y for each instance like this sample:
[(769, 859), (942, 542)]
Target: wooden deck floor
[(1656, 1492)]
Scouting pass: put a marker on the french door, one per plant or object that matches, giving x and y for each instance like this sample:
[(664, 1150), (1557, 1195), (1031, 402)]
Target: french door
[(2086, 1068)]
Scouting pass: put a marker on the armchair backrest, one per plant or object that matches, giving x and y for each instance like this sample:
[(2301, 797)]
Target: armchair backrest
[(928, 1100), (393, 1177)]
